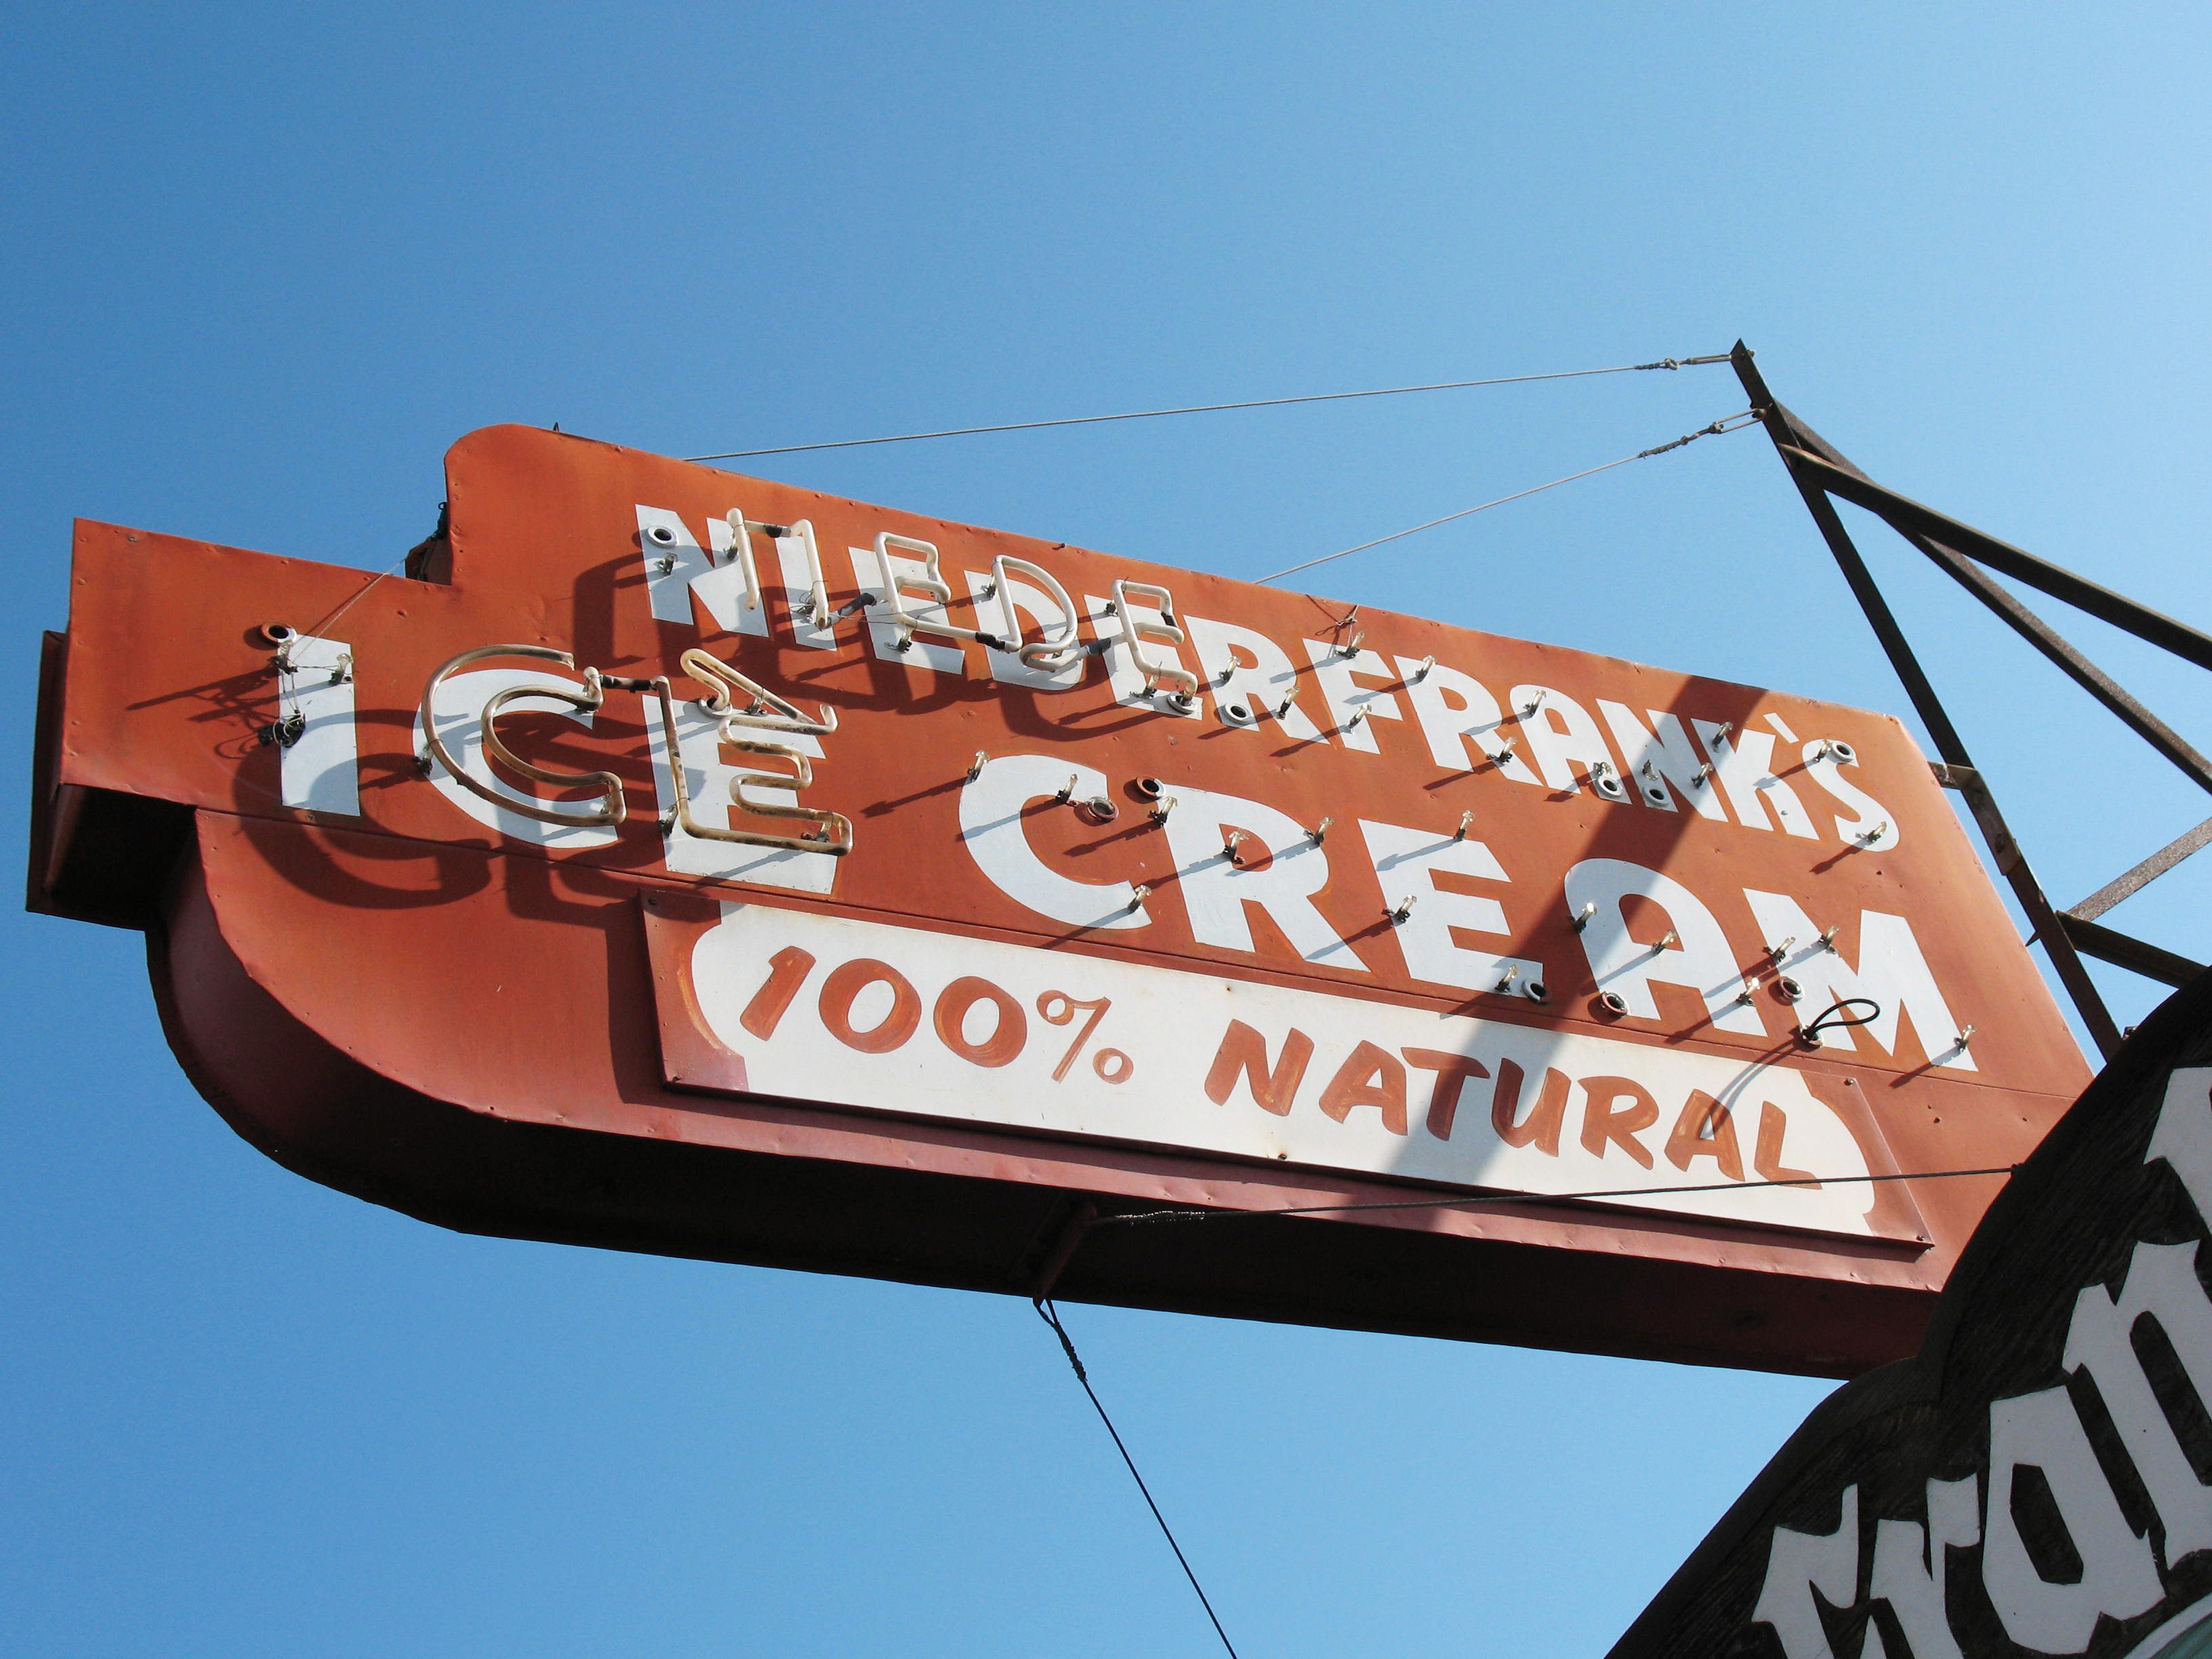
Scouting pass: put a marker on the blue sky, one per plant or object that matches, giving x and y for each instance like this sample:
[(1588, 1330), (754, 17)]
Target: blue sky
[(261, 265)]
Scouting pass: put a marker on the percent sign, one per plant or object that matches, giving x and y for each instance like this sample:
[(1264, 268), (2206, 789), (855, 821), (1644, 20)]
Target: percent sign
[(1060, 1009)]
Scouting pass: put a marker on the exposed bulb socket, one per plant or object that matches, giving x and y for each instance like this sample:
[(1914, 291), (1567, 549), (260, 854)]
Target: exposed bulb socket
[(975, 766), (1405, 908)]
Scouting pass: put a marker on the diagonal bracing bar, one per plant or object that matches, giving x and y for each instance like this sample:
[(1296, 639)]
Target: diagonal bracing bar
[(1797, 445)]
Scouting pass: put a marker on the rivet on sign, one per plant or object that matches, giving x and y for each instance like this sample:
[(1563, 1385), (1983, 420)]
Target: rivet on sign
[(1182, 700), (1138, 894), (1536, 992), (663, 534), (1613, 1003), (1581, 919), (1405, 908), (1067, 790), (1098, 809), (975, 766), (1319, 833), (1235, 839), (1466, 823), (1422, 672)]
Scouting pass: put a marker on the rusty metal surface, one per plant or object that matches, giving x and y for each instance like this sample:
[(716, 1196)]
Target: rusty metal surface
[(463, 991)]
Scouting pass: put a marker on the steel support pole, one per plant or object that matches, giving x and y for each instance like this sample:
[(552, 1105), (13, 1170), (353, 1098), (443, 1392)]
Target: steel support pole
[(1788, 435), (1910, 518), (2060, 652)]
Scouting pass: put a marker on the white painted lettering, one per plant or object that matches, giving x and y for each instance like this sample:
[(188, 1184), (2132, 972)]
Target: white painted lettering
[(1700, 958), (1408, 861), (1217, 892), (1891, 971), (1461, 719), (2118, 1577), (991, 808)]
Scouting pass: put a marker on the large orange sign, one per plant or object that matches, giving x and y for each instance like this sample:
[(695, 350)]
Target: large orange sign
[(692, 862)]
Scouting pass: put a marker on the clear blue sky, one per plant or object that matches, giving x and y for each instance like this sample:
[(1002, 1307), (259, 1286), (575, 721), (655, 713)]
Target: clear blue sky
[(261, 265)]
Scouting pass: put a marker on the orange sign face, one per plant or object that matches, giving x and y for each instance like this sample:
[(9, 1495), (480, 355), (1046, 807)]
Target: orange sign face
[(699, 863)]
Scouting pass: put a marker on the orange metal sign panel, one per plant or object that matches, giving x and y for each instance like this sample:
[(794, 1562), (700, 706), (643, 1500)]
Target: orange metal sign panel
[(694, 862)]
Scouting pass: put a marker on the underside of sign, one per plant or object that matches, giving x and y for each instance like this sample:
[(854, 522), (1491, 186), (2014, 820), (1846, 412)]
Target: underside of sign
[(678, 862)]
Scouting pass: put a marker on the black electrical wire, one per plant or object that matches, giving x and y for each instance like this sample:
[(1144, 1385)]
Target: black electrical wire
[(1050, 1315), (1543, 1198), (1212, 409)]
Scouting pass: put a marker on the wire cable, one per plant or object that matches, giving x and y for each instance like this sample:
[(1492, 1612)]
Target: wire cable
[(1213, 409), (1728, 423), (1543, 1198), (1050, 1315)]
